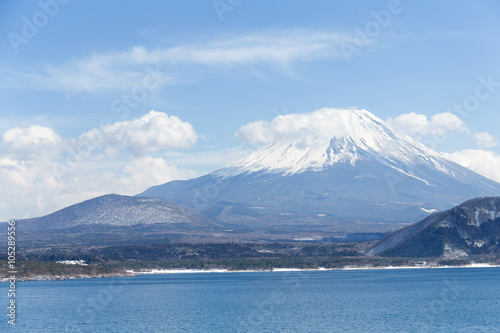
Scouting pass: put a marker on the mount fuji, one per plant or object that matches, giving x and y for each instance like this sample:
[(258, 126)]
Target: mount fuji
[(351, 174)]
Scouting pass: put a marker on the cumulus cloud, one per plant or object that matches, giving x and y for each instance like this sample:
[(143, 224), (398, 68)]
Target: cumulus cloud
[(419, 126), (484, 139), (306, 128), (322, 124), (153, 131), (148, 171), (34, 141), (40, 172), (484, 162), (258, 132)]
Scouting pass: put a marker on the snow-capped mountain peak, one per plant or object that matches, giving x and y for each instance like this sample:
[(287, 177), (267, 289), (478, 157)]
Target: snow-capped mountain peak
[(341, 136)]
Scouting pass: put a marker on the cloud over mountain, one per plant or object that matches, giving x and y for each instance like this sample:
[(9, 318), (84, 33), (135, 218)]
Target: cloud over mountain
[(484, 139), (484, 162), (419, 126), (307, 128)]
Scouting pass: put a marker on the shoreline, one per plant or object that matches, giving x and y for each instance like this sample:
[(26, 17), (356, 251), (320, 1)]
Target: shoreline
[(61, 277), (347, 268), (133, 273)]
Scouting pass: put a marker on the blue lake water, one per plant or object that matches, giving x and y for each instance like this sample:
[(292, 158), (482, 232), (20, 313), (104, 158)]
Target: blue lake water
[(406, 300)]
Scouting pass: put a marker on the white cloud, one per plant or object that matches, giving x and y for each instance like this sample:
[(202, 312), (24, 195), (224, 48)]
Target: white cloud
[(449, 121), (33, 141), (303, 128), (39, 172), (31, 138), (484, 162), (410, 123), (122, 70), (419, 127), (148, 171), (484, 139), (322, 124), (35, 188), (153, 131), (209, 159), (258, 132)]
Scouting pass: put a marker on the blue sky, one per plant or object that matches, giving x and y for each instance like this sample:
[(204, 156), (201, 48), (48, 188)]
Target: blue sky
[(79, 81)]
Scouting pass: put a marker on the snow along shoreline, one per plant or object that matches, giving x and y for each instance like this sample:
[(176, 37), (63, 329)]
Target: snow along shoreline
[(353, 268), (132, 273)]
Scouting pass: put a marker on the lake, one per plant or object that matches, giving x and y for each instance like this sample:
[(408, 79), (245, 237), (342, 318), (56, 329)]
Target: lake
[(402, 300)]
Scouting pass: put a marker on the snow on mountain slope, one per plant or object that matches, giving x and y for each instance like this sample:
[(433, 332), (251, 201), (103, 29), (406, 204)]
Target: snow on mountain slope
[(117, 210), (356, 133)]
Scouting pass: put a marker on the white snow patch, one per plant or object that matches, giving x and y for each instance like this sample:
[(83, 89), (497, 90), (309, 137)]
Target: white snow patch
[(445, 224), (430, 211), (479, 243), (453, 253)]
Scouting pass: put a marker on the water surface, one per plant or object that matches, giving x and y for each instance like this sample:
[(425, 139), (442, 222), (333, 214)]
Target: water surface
[(405, 300)]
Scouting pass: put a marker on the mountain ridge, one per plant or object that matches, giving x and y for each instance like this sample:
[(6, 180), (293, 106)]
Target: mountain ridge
[(117, 210), (472, 227)]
